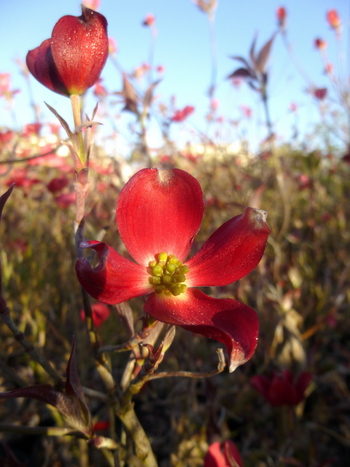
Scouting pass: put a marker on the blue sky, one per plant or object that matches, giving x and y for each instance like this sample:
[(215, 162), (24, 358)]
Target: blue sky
[(183, 48)]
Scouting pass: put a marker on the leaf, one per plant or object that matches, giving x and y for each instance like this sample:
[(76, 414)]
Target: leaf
[(264, 55), (61, 120), (73, 384), (241, 73), (129, 96), (71, 405), (4, 198), (147, 101), (252, 52), (242, 60), (46, 393)]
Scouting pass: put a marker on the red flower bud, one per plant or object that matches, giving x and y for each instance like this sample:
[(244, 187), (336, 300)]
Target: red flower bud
[(281, 14), (333, 19), (71, 61)]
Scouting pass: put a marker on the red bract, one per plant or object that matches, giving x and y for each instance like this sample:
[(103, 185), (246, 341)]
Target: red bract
[(281, 14), (100, 312), (282, 389), (223, 455), (333, 19), (65, 200), (149, 20), (57, 184), (320, 44), (158, 214), (320, 93), (71, 61), (181, 115)]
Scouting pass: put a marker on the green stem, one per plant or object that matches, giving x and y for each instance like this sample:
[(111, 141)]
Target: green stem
[(76, 108)]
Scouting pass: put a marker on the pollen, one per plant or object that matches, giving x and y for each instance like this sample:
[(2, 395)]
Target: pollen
[(167, 275)]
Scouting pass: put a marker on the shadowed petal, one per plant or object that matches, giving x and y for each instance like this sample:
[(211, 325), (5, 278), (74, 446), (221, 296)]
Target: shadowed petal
[(42, 66), (115, 279), (231, 252), (159, 210), (225, 320)]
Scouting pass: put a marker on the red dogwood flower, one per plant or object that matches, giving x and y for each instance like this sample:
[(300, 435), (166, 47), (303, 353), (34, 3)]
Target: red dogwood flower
[(182, 114), (71, 61), (333, 19), (281, 389), (159, 212), (223, 455)]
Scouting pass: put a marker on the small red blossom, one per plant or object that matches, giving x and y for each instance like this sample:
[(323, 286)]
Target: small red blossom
[(92, 4), (71, 61), (160, 69), (320, 44), (149, 20), (282, 389), (57, 184), (100, 312), (32, 129), (181, 115), (320, 93), (333, 19), (112, 46), (5, 86), (65, 200), (247, 111), (21, 179), (281, 14), (159, 270), (6, 136), (99, 89), (293, 107), (223, 454), (55, 128), (101, 425), (328, 68)]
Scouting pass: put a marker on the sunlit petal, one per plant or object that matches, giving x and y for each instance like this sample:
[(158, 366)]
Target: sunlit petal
[(225, 320), (159, 210)]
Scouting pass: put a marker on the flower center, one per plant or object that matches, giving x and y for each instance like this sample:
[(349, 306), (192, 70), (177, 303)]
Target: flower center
[(167, 274)]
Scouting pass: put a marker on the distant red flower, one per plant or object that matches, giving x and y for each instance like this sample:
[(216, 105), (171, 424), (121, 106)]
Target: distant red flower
[(293, 107), (71, 61), (5, 83), (5, 86), (320, 93), (92, 4), (57, 184), (281, 14), (5, 136), (99, 89), (100, 312), (32, 129), (102, 425), (159, 269), (22, 180), (223, 454), (282, 389), (320, 44), (333, 19), (65, 200), (112, 46), (247, 111), (329, 68), (181, 115), (160, 69), (54, 128), (149, 20)]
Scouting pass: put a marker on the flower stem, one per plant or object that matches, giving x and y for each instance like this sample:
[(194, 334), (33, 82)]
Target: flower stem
[(76, 108)]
